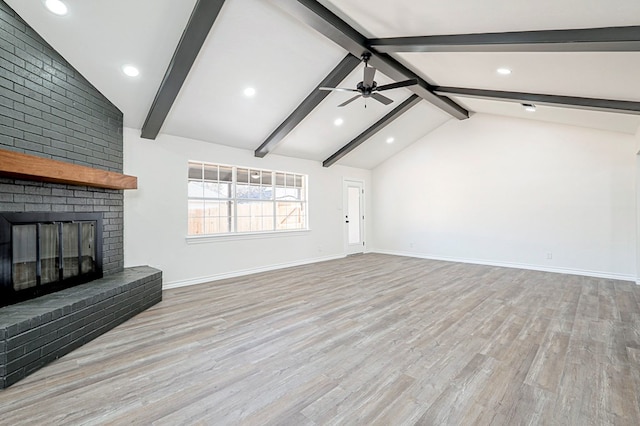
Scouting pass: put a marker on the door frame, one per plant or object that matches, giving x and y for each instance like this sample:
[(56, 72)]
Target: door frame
[(352, 248)]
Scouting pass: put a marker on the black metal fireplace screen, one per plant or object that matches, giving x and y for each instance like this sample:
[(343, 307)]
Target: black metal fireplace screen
[(45, 252)]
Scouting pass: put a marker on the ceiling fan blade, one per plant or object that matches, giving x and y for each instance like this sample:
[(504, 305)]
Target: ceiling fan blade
[(369, 74), (349, 101), (404, 83), (337, 89), (381, 98)]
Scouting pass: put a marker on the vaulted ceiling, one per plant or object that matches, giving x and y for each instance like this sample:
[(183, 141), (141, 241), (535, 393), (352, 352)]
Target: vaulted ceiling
[(286, 48)]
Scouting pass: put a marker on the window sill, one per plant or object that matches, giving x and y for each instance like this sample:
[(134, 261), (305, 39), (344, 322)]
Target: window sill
[(203, 239)]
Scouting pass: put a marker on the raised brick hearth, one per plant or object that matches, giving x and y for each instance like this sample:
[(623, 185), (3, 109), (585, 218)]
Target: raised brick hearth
[(38, 331)]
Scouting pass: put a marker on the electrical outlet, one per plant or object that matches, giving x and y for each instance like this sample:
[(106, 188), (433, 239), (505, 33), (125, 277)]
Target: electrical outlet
[(549, 255)]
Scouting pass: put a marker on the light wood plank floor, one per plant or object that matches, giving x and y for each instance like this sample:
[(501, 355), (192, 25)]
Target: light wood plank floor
[(370, 339)]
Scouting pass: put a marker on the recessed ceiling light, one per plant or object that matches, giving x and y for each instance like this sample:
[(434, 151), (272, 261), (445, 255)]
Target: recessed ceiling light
[(503, 71), (529, 107), (249, 92), (390, 140), (338, 121), (130, 70), (56, 6)]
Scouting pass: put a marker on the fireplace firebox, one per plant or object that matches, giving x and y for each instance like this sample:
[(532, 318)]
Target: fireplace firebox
[(45, 252)]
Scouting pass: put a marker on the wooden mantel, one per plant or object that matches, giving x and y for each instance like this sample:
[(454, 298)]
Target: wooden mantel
[(30, 167)]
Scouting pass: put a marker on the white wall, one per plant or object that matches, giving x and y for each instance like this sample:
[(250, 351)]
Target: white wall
[(156, 213), (508, 191), (638, 206)]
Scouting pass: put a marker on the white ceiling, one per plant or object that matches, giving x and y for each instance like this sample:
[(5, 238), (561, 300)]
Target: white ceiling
[(317, 137), (625, 123), (283, 69), (605, 75), (97, 37), (402, 18), (254, 43)]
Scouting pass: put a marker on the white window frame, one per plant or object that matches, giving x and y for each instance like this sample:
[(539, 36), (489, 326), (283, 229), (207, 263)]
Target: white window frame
[(235, 200)]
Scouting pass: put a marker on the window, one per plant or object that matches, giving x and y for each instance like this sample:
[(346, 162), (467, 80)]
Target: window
[(229, 199)]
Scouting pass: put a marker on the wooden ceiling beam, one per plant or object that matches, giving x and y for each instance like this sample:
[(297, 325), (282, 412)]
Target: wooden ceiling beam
[(316, 16), (335, 77), (202, 18), (379, 125), (609, 39), (594, 104)]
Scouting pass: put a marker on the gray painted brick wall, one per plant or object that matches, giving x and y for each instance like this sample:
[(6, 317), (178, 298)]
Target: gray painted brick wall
[(23, 196), (48, 109)]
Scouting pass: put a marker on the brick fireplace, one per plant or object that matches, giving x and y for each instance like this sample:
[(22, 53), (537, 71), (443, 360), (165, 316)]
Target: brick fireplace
[(50, 111)]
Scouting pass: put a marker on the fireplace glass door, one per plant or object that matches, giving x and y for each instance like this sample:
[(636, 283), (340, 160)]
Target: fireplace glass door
[(46, 253), (43, 252), (70, 250), (49, 253), (25, 256), (87, 247)]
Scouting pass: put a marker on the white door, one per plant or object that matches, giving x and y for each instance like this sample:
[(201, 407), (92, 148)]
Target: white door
[(354, 216)]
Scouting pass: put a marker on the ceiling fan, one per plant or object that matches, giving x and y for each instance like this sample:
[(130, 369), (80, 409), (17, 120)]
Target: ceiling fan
[(368, 88)]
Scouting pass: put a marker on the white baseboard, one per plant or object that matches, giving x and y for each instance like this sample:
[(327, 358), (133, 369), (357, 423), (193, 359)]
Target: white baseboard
[(240, 273), (559, 270)]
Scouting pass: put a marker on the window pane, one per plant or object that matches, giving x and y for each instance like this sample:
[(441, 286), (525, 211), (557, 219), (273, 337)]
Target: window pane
[(279, 179), (290, 215), (242, 175), (195, 224), (196, 189), (225, 190), (287, 194), (255, 176), (225, 224), (244, 224), (214, 190), (255, 216), (291, 181), (266, 192), (249, 192), (216, 216), (226, 174), (216, 225), (353, 193), (212, 208), (195, 171), (196, 208), (242, 191), (255, 192), (267, 178), (299, 180), (210, 172)]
